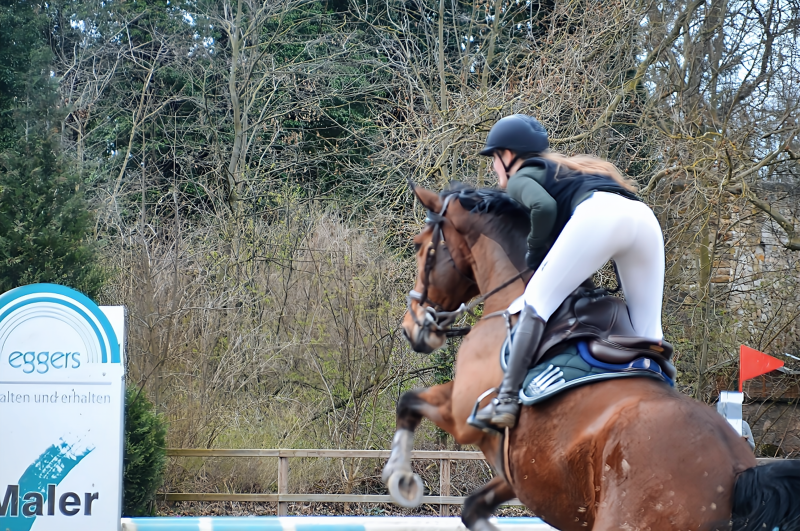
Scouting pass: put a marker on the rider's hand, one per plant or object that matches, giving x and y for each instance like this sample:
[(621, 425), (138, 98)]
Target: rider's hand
[(534, 259)]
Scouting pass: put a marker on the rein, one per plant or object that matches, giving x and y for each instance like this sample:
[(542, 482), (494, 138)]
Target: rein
[(435, 316)]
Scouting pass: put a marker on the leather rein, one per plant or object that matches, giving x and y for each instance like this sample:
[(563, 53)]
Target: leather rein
[(436, 317)]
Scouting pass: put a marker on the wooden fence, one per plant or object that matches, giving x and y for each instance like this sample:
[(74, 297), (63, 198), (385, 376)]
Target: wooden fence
[(283, 497)]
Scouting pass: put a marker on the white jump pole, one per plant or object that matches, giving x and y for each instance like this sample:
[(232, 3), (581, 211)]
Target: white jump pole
[(322, 523), (730, 407)]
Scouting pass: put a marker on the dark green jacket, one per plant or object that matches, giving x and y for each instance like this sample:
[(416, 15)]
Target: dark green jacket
[(552, 196), (524, 188)]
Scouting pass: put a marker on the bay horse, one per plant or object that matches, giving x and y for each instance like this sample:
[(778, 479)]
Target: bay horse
[(630, 454)]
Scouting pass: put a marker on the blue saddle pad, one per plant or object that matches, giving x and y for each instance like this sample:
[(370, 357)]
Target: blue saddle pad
[(576, 366)]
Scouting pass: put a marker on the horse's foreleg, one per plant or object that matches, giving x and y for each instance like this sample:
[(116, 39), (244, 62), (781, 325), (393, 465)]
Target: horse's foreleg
[(480, 505), (405, 487)]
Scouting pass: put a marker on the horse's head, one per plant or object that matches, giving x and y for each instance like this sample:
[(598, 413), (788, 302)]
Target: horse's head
[(446, 276)]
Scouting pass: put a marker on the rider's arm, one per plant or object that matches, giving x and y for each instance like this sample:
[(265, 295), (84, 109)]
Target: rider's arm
[(524, 189)]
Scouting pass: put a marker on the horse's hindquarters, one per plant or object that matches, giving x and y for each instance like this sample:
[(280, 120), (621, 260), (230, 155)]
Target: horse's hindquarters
[(627, 454)]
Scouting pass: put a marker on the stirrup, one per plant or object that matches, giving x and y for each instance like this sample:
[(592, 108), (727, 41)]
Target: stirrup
[(507, 400), (483, 426), (502, 413)]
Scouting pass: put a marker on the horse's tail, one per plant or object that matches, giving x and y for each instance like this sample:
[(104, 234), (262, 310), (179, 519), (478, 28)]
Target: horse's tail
[(767, 498)]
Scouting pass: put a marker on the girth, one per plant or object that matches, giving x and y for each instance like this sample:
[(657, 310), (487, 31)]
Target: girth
[(602, 320)]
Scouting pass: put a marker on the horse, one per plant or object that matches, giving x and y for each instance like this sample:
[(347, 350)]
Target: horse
[(629, 454)]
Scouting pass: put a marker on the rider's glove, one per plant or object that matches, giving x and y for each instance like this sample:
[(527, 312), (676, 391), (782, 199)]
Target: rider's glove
[(534, 259)]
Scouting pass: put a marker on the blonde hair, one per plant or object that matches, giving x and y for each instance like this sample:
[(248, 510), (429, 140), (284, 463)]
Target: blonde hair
[(590, 164)]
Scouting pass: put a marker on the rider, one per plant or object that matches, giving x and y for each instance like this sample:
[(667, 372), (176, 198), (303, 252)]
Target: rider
[(583, 214)]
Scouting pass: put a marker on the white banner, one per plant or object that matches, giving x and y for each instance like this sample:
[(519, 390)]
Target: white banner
[(61, 410)]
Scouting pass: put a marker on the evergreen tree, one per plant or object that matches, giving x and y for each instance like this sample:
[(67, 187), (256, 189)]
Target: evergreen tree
[(25, 58), (44, 217), (145, 454)]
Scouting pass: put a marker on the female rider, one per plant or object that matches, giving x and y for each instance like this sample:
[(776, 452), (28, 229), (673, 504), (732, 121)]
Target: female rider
[(583, 214)]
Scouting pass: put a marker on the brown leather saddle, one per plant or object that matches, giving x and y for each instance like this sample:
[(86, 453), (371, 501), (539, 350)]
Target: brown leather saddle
[(602, 320)]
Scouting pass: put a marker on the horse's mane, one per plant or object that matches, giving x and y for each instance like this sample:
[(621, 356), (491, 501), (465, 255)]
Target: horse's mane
[(512, 216)]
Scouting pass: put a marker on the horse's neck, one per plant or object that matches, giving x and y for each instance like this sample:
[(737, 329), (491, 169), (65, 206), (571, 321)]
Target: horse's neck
[(493, 267)]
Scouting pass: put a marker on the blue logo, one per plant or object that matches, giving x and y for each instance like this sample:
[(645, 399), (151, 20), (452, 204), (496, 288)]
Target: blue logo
[(51, 301), (35, 492)]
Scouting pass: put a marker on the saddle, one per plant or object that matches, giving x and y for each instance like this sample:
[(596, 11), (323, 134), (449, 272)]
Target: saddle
[(592, 315)]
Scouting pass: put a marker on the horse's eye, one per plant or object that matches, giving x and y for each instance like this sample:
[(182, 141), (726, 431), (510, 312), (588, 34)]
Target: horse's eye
[(417, 247)]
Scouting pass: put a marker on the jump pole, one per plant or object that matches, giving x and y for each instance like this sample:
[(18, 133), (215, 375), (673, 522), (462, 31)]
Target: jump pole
[(322, 523)]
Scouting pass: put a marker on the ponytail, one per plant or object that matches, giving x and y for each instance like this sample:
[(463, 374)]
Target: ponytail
[(590, 164)]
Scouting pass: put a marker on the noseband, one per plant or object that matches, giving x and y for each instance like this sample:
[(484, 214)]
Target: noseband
[(436, 317)]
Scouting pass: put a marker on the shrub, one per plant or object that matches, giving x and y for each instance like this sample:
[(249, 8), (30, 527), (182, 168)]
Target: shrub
[(145, 454)]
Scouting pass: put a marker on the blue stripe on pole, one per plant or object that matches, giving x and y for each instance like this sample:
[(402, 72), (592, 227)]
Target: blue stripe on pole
[(321, 523)]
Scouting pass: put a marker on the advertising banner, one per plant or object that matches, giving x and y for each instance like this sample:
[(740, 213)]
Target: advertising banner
[(61, 410)]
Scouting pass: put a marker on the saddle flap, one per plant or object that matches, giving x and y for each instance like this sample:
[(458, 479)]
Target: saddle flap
[(586, 313), (602, 320), (607, 314)]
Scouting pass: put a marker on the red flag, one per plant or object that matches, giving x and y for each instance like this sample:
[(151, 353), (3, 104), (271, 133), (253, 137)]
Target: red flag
[(753, 363)]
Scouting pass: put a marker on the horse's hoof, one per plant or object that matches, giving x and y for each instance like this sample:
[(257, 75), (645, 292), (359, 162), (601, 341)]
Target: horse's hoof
[(482, 524), (406, 488)]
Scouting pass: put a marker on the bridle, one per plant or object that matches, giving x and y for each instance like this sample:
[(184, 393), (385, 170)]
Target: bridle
[(436, 317)]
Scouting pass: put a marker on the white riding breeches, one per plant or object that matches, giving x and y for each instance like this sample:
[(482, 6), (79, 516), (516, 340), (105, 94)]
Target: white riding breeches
[(605, 227)]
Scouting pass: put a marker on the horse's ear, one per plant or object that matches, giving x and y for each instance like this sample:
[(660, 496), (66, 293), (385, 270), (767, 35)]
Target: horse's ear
[(429, 200)]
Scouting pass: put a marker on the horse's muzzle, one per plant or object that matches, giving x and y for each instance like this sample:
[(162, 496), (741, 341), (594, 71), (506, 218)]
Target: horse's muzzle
[(422, 338)]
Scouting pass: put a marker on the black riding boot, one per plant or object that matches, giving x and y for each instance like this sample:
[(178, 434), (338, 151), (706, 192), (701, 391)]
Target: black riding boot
[(502, 411)]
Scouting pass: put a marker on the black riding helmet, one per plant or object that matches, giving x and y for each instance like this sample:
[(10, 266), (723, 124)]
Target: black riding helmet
[(519, 133)]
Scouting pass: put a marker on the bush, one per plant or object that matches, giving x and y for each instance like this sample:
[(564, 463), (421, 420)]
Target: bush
[(145, 454)]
